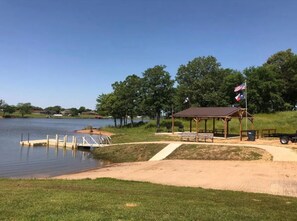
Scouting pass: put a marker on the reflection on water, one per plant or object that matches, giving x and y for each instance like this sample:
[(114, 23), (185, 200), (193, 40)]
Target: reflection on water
[(21, 161), (74, 153)]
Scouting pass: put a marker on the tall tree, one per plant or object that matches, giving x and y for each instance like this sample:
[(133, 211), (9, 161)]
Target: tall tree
[(54, 110), (284, 64), (107, 105), (157, 91), (2, 104), (232, 79), (264, 90), (81, 109), (130, 93), (74, 111), (24, 108), (200, 81), (8, 109), (120, 101)]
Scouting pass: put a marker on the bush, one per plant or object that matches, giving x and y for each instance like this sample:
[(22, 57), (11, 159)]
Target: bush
[(150, 125)]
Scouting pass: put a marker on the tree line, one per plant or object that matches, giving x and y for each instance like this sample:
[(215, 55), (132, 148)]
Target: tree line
[(203, 82), (28, 108)]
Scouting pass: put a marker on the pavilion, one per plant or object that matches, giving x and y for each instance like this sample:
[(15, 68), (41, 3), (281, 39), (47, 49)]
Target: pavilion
[(226, 114)]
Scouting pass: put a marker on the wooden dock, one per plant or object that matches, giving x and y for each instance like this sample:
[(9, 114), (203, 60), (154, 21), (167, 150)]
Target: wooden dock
[(83, 142)]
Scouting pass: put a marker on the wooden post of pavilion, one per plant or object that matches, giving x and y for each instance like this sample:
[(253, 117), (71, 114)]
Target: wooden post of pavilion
[(225, 127), (172, 123), (197, 127), (240, 127), (172, 120), (228, 120), (213, 125)]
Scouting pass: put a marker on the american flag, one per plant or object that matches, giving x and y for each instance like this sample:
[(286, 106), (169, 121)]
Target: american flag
[(240, 87)]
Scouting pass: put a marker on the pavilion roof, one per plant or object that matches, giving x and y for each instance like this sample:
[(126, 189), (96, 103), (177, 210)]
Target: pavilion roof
[(212, 112)]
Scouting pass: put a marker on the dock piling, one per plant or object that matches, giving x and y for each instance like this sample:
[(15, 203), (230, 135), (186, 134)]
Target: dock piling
[(47, 140), (57, 140), (65, 141)]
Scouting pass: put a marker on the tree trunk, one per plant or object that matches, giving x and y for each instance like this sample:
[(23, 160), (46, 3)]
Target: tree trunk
[(121, 121), (131, 118), (158, 119), (115, 122)]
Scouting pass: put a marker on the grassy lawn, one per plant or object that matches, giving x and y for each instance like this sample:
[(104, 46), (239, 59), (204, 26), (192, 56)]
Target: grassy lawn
[(128, 152), (282, 121), (136, 134), (213, 152), (108, 199), (143, 152)]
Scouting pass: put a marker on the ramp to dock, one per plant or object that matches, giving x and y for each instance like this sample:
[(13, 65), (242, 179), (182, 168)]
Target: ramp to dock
[(165, 151)]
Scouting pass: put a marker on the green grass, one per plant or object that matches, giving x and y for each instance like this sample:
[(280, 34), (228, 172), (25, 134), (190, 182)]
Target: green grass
[(136, 134), (214, 152), (128, 152), (282, 121), (108, 199), (143, 152)]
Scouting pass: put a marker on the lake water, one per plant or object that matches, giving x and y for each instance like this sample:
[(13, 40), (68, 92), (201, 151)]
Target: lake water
[(17, 161)]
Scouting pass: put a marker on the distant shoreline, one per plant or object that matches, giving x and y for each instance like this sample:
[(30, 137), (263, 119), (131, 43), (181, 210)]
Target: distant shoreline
[(46, 117)]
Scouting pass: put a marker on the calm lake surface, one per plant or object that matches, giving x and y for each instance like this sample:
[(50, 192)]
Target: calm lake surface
[(19, 162)]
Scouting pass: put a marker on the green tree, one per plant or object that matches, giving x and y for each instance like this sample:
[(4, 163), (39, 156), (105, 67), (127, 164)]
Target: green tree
[(74, 111), (284, 64), (2, 104), (24, 108), (107, 105), (157, 91), (8, 109), (128, 96), (53, 110), (120, 105), (264, 90), (201, 81), (230, 81), (81, 109)]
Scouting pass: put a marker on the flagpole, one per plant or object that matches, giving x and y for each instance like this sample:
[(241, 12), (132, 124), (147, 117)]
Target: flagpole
[(246, 107)]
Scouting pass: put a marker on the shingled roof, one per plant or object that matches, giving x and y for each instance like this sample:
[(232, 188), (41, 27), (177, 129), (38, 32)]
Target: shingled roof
[(211, 112)]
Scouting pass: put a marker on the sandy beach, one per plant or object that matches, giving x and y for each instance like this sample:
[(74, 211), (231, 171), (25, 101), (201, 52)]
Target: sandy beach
[(94, 131), (278, 177)]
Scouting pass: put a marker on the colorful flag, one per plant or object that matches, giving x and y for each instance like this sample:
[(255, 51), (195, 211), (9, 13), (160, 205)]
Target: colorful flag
[(239, 97), (240, 87)]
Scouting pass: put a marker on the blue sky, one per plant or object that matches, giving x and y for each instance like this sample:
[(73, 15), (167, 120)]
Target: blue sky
[(67, 52)]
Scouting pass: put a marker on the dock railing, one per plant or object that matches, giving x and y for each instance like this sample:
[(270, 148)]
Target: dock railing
[(68, 141)]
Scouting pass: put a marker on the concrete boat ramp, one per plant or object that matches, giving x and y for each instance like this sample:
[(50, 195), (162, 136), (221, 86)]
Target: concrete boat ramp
[(70, 142)]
